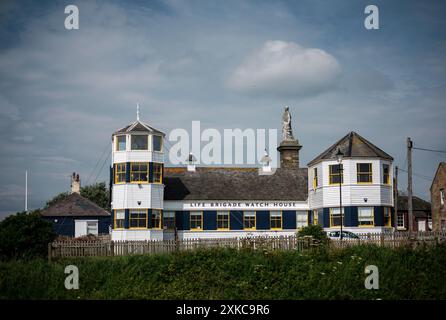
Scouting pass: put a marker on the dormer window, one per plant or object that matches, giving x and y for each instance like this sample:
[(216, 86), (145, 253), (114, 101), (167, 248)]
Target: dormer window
[(139, 142), (157, 143), (120, 143)]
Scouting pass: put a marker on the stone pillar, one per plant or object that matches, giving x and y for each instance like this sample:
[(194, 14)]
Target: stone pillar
[(289, 154)]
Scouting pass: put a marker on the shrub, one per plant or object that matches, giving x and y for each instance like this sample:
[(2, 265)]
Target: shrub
[(314, 231), (25, 236)]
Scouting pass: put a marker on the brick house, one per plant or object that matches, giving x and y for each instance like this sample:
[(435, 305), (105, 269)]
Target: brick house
[(421, 218), (438, 188)]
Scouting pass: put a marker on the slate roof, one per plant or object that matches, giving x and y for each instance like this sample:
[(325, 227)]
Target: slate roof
[(225, 183), (138, 126), (420, 207), (352, 146), (74, 205)]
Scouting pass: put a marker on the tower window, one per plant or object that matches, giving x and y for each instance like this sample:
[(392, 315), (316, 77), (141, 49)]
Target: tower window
[(336, 174), (120, 173), (139, 142), (157, 172), (365, 217), (139, 172), (119, 219), (364, 172), (120, 143), (335, 217), (249, 220), (157, 143), (386, 174), (138, 218), (276, 220), (156, 219)]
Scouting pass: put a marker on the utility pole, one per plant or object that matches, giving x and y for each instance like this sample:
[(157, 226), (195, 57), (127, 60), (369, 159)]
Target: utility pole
[(395, 198), (409, 183), (26, 190)]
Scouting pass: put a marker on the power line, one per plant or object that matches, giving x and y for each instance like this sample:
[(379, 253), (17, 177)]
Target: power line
[(430, 150), (419, 175), (97, 162)]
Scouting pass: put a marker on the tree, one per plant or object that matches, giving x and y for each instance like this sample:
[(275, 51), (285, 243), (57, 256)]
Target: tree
[(98, 193), (25, 235)]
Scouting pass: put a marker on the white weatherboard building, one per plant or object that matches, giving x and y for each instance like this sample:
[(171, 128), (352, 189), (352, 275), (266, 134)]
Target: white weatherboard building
[(150, 201)]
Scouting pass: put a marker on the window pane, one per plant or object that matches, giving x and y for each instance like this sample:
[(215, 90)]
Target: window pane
[(120, 143), (157, 143), (139, 142), (365, 216)]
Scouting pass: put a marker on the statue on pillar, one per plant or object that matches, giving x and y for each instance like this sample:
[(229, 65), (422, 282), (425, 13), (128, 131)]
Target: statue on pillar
[(287, 131)]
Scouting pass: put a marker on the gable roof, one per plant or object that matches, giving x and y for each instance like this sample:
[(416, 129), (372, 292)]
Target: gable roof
[(74, 205), (225, 183), (441, 166), (138, 126), (352, 146)]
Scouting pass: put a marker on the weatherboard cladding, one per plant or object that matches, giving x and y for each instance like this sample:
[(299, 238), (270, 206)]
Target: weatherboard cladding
[(226, 183), (352, 146)]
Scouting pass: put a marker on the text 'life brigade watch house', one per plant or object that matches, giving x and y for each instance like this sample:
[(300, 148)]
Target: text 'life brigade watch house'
[(151, 201)]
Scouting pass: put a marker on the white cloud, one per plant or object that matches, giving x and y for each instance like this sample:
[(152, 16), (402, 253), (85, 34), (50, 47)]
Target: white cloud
[(285, 68)]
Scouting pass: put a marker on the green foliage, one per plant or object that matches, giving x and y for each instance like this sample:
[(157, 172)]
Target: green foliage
[(24, 236), (230, 274), (98, 193), (315, 231)]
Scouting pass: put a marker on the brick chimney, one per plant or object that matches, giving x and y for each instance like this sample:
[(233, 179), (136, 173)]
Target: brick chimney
[(75, 183)]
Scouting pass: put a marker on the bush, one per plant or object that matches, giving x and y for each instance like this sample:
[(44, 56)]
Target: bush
[(314, 231), (24, 236)]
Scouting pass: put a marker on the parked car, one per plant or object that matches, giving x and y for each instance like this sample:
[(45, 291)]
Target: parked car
[(336, 235)]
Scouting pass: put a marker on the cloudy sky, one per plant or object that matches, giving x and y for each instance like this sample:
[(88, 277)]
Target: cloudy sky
[(229, 64)]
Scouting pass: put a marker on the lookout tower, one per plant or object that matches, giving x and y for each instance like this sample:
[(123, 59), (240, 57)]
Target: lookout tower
[(136, 182)]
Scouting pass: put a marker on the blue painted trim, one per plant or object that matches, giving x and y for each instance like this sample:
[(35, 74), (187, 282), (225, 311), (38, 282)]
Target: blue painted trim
[(236, 220), (209, 220), (262, 220), (289, 219), (126, 218)]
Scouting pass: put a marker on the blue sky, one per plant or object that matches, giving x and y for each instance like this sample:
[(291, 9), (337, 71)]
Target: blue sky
[(229, 64)]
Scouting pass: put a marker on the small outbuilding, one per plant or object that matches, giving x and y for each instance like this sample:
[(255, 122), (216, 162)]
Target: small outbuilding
[(77, 216)]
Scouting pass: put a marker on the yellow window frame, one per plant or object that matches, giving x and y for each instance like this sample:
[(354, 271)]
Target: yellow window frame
[(225, 217), (280, 218), (386, 177), (195, 214), (315, 217), (364, 173), (373, 219), (315, 178), (250, 218), (114, 220), (332, 175), (342, 212), (157, 170), (139, 172), (146, 211), (120, 169)]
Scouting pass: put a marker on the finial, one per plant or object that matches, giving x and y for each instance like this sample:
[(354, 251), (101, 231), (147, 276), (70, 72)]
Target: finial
[(137, 111)]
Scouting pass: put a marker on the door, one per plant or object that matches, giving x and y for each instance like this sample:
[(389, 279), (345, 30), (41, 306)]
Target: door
[(421, 225)]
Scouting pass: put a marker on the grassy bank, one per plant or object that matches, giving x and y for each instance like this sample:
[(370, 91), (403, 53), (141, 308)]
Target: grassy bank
[(229, 274)]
